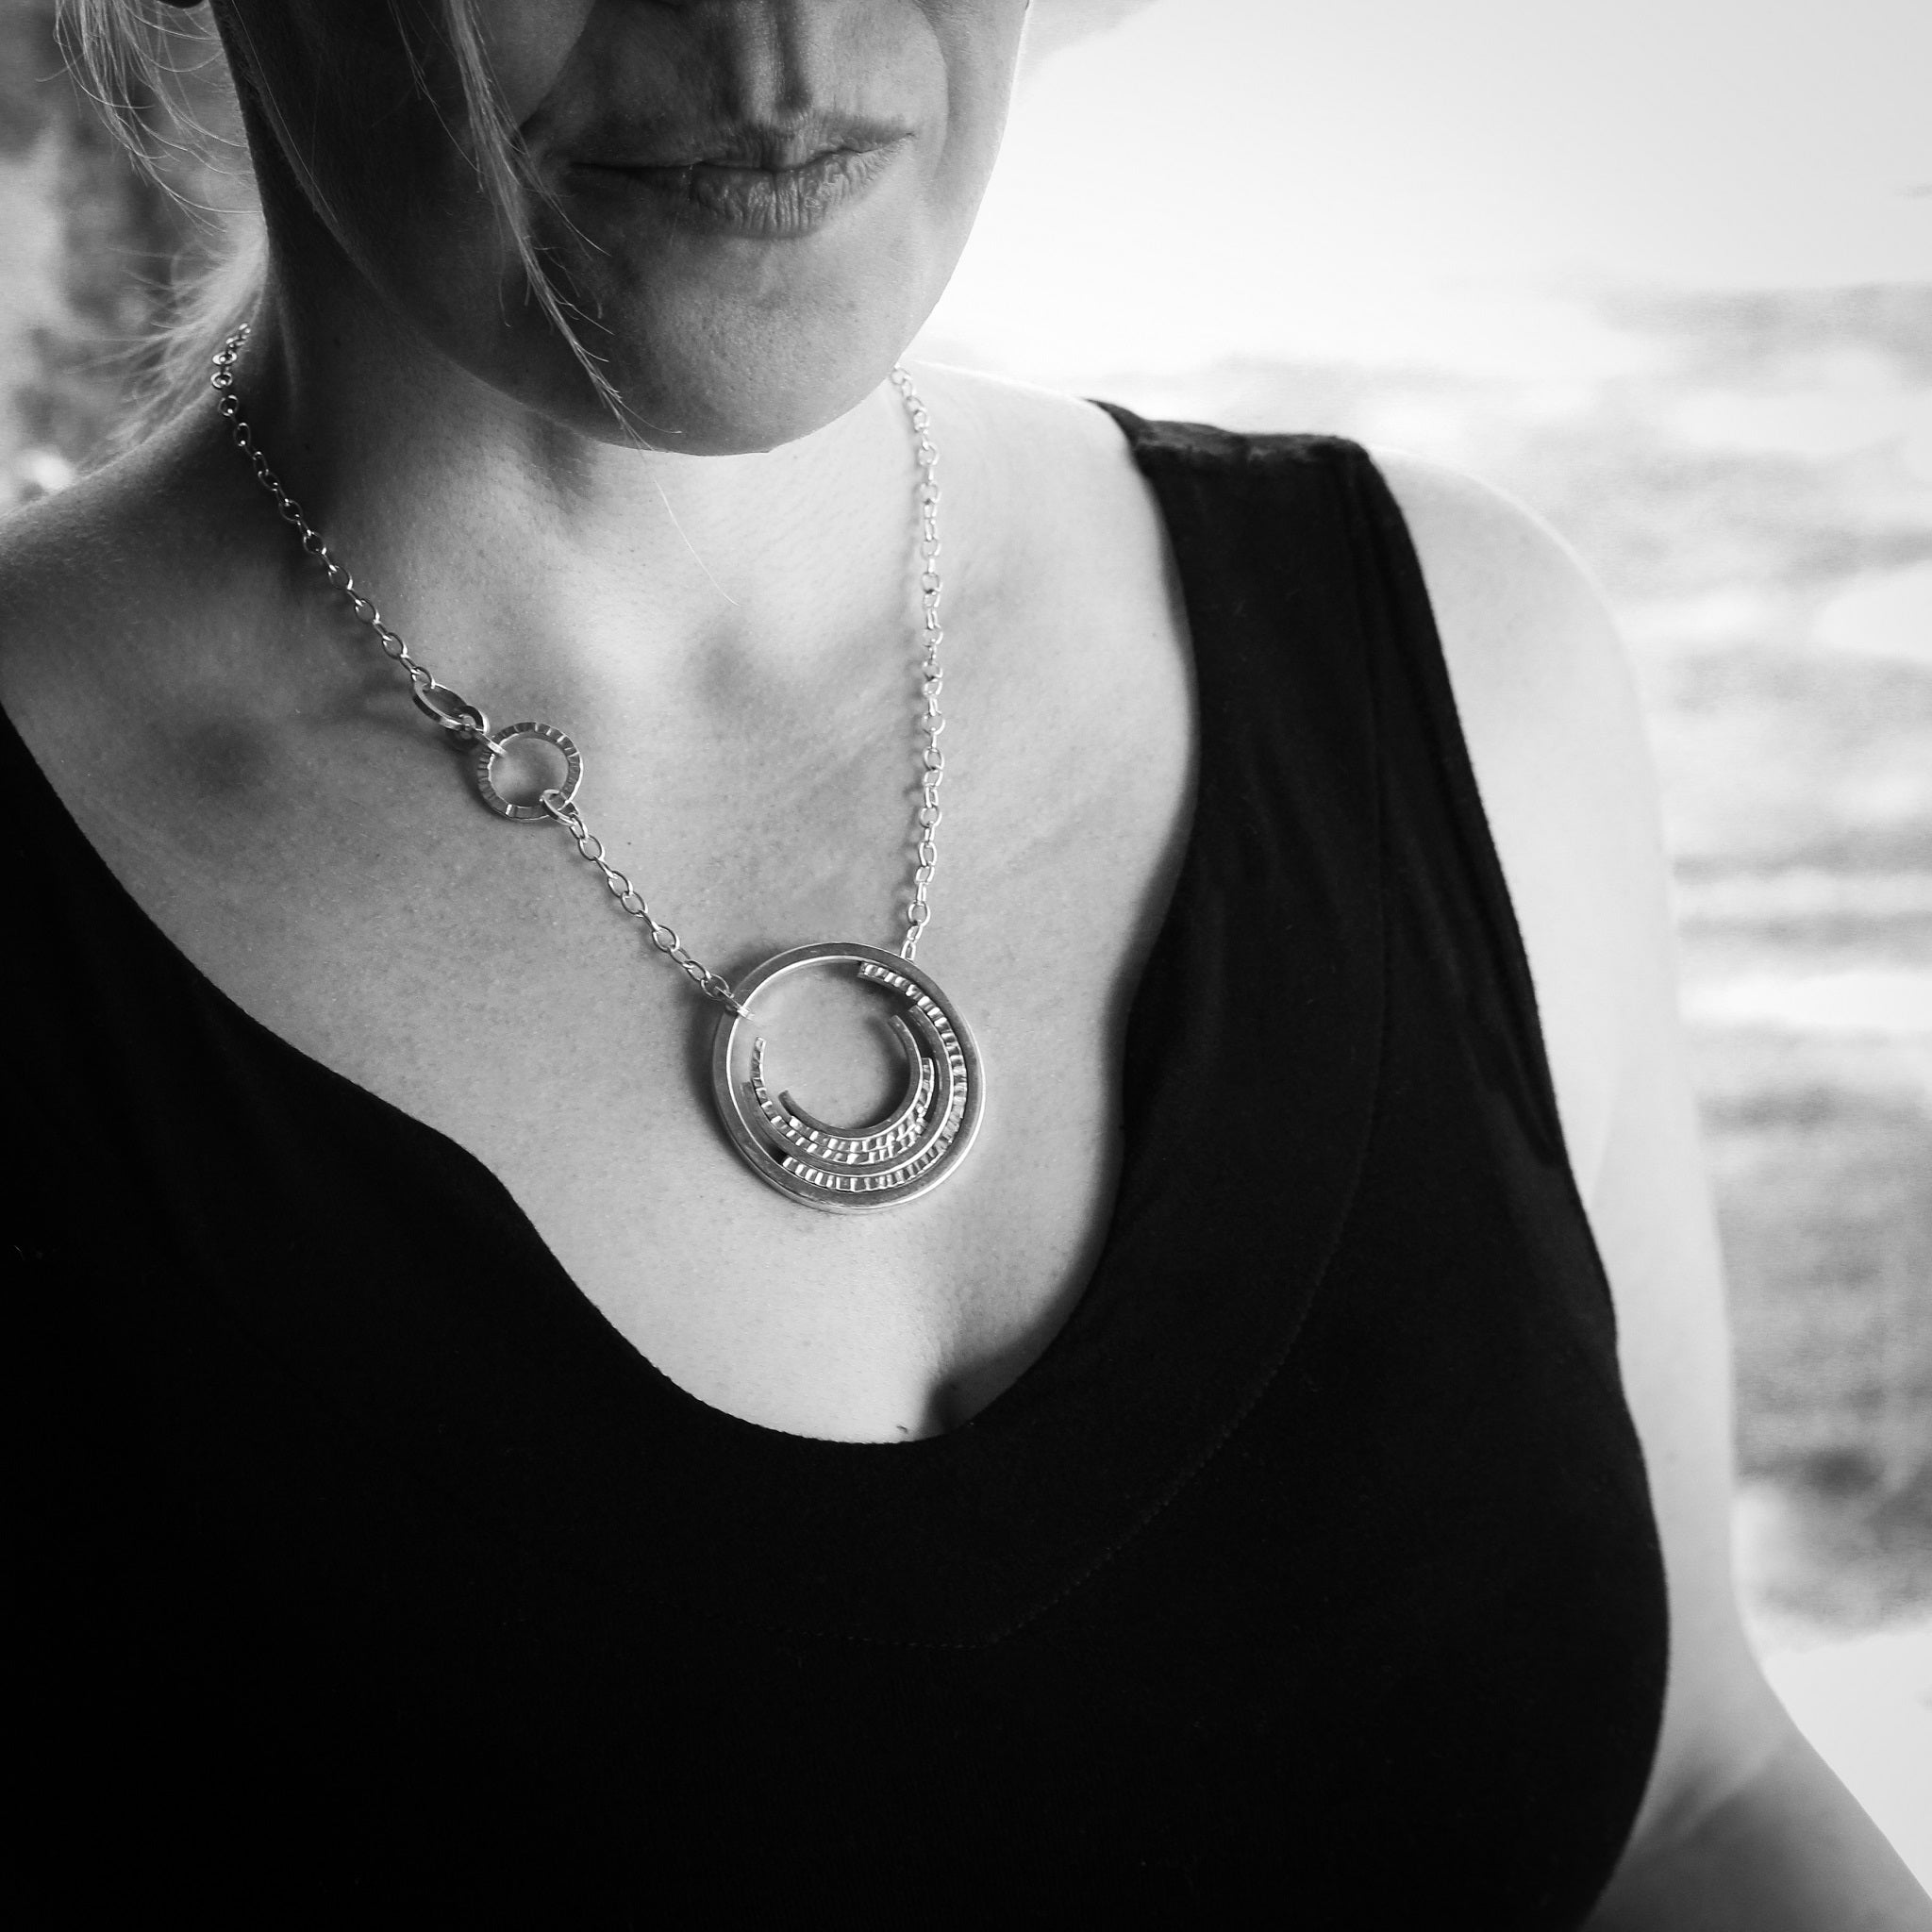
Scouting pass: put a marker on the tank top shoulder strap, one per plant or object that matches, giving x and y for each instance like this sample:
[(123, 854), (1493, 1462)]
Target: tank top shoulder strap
[(1309, 524)]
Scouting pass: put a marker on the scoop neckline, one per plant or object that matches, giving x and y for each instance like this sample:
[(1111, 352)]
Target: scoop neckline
[(634, 1360)]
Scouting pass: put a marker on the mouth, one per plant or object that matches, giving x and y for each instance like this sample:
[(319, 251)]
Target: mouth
[(756, 179)]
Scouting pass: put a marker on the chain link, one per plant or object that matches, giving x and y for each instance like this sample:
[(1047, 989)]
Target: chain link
[(633, 902), (469, 724)]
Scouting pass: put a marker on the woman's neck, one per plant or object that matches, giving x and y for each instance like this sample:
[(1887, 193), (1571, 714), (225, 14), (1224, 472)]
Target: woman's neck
[(494, 536)]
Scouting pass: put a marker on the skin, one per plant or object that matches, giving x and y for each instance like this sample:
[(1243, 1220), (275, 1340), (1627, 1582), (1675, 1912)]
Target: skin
[(713, 345), (708, 588)]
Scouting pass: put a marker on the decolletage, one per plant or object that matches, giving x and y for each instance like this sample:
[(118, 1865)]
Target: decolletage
[(371, 1567)]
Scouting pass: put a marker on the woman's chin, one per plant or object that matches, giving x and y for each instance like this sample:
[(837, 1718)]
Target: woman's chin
[(721, 346)]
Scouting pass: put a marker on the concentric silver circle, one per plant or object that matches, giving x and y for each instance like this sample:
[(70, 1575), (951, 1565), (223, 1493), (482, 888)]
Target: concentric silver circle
[(853, 1170), (486, 767)]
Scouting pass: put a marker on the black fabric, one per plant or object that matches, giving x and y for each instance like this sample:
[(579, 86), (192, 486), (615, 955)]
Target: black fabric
[(1309, 1573)]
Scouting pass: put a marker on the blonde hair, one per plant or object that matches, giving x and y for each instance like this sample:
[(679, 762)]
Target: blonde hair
[(160, 77)]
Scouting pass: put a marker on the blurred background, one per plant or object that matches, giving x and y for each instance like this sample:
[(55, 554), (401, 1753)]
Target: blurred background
[(1664, 271)]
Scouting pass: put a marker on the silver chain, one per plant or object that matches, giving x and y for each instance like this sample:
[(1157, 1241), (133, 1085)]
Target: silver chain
[(468, 725), (933, 721)]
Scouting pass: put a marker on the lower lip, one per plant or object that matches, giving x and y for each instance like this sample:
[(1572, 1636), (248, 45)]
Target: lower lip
[(767, 202)]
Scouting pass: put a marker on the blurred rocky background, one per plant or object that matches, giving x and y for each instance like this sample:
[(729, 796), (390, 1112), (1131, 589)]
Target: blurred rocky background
[(93, 252)]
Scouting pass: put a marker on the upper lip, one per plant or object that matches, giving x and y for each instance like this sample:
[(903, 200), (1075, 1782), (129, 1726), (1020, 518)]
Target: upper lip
[(774, 145)]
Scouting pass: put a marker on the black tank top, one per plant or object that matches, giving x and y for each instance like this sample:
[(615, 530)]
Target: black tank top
[(1308, 1576)]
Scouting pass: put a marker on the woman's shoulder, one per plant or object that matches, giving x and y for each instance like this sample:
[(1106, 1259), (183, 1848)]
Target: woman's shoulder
[(1555, 734), (58, 560), (86, 575), (1550, 713), (114, 595), (119, 609), (1517, 607)]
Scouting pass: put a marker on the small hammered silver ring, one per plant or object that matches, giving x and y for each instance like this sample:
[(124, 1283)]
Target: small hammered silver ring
[(544, 808)]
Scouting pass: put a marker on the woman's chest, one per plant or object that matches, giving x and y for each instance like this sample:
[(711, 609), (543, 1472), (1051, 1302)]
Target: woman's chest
[(476, 975), (331, 869), (579, 1070)]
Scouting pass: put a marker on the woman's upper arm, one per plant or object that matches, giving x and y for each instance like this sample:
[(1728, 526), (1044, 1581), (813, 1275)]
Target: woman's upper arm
[(1551, 719)]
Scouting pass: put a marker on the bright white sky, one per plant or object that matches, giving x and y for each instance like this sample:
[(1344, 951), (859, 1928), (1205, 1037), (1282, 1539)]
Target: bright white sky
[(1396, 179)]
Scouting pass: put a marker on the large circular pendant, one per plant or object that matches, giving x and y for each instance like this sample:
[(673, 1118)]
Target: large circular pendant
[(853, 1170)]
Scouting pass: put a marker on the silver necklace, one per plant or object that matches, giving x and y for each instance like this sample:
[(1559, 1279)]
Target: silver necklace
[(845, 1169)]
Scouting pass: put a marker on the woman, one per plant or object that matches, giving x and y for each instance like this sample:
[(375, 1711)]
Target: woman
[(1193, 1478)]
